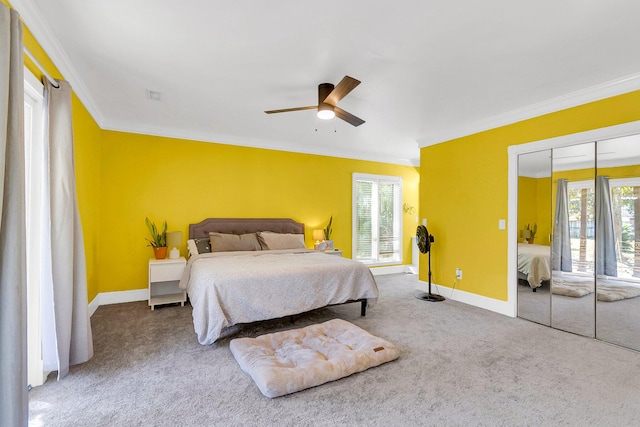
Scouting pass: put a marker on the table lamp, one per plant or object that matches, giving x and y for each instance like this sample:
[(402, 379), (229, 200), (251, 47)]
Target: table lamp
[(174, 239), (318, 236)]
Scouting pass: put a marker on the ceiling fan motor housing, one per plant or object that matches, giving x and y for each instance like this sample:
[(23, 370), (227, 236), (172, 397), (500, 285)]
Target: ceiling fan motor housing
[(324, 89)]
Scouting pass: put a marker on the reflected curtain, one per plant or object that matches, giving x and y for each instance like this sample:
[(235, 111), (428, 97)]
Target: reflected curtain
[(14, 403), (606, 260), (68, 295), (561, 248)]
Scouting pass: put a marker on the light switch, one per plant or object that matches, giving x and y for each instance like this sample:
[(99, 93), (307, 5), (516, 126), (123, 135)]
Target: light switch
[(502, 224)]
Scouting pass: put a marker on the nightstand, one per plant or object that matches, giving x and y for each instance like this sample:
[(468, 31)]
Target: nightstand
[(336, 252), (164, 278)]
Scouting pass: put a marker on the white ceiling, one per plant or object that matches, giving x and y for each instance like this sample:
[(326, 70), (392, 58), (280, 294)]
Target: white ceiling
[(431, 70)]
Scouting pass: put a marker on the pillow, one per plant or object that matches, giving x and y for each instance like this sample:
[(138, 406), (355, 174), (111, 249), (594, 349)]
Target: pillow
[(198, 246), (221, 242), (270, 240)]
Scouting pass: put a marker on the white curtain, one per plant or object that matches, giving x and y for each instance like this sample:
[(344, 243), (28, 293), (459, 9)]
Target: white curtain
[(68, 295), (561, 248), (606, 260), (14, 403)]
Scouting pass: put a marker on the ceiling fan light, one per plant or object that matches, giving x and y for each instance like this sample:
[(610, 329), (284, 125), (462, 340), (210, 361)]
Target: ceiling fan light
[(326, 114)]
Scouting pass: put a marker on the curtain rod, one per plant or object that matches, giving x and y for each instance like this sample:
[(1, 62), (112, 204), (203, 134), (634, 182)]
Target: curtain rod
[(35, 61)]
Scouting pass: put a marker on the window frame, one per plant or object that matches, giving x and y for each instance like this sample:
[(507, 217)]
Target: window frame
[(397, 218)]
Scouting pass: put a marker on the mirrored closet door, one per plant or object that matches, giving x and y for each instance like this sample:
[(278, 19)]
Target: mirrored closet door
[(590, 211), (534, 246), (573, 245), (618, 242)]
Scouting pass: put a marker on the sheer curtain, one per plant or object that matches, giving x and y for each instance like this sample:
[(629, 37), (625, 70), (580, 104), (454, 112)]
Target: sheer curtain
[(13, 291), (561, 248), (606, 260), (67, 297)]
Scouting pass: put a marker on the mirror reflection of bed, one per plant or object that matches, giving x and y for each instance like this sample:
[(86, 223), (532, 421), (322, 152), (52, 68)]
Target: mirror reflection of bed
[(570, 279)]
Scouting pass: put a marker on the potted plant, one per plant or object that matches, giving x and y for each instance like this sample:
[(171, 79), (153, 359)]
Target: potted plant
[(530, 231), (327, 235), (158, 240)]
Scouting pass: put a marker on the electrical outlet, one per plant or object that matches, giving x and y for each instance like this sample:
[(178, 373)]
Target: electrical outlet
[(458, 274)]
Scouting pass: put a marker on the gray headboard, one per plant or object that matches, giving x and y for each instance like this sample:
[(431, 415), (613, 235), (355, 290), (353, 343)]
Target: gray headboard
[(244, 225)]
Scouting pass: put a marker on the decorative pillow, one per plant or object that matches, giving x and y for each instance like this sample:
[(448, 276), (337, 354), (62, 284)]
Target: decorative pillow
[(203, 245), (221, 242), (270, 240), (198, 246)]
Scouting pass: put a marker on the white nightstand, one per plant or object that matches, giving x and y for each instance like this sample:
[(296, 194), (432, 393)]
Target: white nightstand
[(164, 278), (335, 252)]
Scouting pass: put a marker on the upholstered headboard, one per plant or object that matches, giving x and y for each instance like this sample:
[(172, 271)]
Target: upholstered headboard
[(244, 225)]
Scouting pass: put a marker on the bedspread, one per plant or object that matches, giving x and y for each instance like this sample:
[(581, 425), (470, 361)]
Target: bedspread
[(227, 288), (534, 262)]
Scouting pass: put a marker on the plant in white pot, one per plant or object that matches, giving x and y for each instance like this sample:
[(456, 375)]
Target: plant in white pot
[(327, 235), (158, 240)]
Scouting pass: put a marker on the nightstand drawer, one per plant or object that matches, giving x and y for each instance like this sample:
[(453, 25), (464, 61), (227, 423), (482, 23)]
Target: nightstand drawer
[(166, 272)]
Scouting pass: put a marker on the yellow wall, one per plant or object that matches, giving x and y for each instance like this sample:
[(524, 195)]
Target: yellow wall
[(184, 182), (534, 206), (464, 186)]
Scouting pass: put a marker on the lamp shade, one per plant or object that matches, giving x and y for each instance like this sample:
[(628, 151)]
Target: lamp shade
[(174, 238), (318, 235)]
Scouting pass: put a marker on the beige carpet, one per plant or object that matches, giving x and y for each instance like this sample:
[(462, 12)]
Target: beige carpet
[(458, 366)]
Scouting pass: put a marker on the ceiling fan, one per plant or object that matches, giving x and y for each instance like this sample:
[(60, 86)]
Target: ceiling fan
[(328, 97)]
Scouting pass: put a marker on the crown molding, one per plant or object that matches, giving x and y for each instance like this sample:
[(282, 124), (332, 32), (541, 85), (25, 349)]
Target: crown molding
[(32, 17), (615, 87), (198, 136)]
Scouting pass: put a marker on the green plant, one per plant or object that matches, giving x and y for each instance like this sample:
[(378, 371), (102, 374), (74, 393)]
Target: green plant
[(532, 229), (158, 239), (328, 229)]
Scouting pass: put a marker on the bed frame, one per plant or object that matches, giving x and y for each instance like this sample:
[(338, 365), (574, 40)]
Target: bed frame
[(252, 225), (244, 225)]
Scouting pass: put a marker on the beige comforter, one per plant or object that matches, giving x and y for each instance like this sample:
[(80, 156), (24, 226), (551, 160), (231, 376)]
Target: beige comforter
[(534, 262), (227, 288)]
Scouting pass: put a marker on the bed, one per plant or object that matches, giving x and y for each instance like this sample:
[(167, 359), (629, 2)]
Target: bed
[(534, 264), (259, 269)]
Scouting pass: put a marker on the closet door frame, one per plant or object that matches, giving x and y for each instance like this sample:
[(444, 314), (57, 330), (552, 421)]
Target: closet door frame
[(514, 151)]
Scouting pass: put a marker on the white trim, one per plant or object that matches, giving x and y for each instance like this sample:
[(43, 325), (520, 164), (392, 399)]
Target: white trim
[(37, 24), (514, 151), (118, 297), (216, 138), (604, 90), (491, 304), (624, 182), (393, 269)]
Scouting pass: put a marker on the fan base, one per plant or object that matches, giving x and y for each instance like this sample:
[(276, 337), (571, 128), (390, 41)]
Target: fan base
[(430, 297)]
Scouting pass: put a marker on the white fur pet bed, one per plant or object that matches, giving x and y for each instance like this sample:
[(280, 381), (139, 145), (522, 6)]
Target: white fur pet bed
[(290, 361)]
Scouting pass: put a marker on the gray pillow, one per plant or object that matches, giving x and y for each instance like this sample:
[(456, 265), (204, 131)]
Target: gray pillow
[(203, 245), (221, 242)]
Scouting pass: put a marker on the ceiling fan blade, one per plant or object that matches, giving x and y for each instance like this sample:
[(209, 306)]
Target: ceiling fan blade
[(346, 85), (348, 117), (286, 110)]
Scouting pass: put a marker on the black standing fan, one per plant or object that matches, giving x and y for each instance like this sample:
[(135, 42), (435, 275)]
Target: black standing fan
[(424, 244)]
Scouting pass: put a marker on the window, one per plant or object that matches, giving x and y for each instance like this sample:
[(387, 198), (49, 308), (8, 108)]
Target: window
[(36, 222), (625, 202), (581, 198), (625, 205), (377, 219)]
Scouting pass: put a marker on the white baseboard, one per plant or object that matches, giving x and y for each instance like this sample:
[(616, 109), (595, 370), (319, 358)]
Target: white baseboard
[(105, 298), (393, 269), (501, 307)]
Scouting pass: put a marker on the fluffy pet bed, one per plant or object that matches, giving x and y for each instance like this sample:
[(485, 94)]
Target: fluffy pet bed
[(290, 361)]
